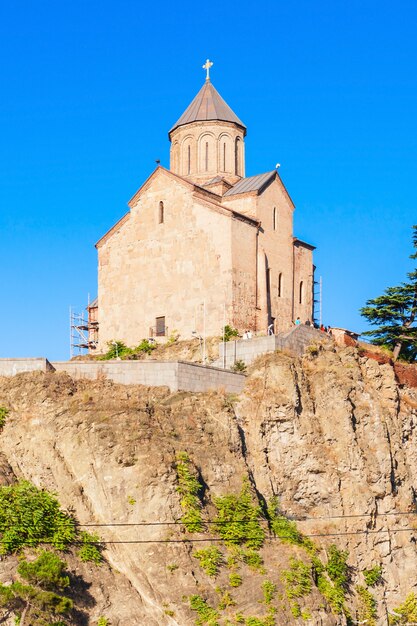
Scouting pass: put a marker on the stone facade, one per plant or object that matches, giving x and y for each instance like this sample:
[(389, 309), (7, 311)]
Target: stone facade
[(201, 244)]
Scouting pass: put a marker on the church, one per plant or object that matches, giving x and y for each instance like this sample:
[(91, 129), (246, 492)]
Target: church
[(202, 245)]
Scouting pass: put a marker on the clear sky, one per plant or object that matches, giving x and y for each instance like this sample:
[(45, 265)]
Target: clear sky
[(89, 90)]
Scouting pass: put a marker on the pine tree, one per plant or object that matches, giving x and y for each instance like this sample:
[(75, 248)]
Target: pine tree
[(395, 315)]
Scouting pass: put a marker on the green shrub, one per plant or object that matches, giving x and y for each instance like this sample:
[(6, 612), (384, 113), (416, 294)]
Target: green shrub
[(239, 366), (297, 579), (190, 490), (226, 600), (47, 570), (373, 576), (406, 612), (90, 550), (3, 415), (207, 616), (238, 519), (269, 590), (366, 606), (295, 609), (173, 337), (31, 516), (235, 580), (252, 559), (210, 560), (333, 592), (145, 346), (286, 529), (172, 567), (103, 621), (116, 349), (38, 600), (337, 567), (229, 333)]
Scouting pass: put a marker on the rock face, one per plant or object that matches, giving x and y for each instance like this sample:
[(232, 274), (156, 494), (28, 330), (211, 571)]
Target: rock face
[(332, 435)]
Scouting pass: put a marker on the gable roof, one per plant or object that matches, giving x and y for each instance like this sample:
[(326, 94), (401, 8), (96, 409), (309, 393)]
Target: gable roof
[(252, 183), (208, 105), (192, 186)]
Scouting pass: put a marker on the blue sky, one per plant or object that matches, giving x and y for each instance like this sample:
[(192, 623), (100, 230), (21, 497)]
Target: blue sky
[(89, 90)]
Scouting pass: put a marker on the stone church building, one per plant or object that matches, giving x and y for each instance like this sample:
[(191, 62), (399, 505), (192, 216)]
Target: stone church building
[(202, 244)]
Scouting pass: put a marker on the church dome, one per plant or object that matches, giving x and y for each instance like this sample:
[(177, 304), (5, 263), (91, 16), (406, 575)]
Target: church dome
[(208, 105)]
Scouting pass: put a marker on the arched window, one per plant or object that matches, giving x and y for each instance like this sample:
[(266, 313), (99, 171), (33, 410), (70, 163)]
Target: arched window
[(161, 213), (189, 160), (224, 157), (274, 218), (207, 156), (301, 292), (280, 285)]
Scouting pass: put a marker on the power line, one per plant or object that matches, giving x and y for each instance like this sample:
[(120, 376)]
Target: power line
[(219, 539), (220, 522)]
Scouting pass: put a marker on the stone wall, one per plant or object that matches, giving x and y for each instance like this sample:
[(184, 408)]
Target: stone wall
[(11, 367), (293, 342), (177, 375)]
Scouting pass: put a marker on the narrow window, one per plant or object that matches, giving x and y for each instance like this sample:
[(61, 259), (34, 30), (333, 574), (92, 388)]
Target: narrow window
[(160, 326), (268, 281), (206, 156), (237, 157), (274, 218), (280, 285), (189, 160), (224, 157), (301, 292), (161, 213)]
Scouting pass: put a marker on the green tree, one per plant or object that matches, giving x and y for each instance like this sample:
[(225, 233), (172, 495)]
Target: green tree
[(395, 315), (37, 598)]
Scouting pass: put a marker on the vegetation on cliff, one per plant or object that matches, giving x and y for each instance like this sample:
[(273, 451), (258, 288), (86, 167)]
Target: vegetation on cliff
[(33, 525)]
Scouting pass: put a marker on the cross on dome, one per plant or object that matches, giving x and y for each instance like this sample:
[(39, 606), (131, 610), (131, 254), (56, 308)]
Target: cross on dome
[(207, 65)]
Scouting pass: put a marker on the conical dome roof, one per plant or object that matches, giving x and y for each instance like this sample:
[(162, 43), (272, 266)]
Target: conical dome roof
[(208, 105)]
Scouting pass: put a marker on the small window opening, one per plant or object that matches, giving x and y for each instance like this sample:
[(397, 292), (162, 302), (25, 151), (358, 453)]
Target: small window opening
[(160, 328), (268, 281), (274, 218), (224, 157), (237, 157), (280, 285), (206, 156), (189, 160), (301, 292), (161, 213)]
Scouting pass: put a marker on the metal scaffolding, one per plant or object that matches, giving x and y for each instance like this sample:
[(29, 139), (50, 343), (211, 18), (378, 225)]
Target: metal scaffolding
[(82, 331)]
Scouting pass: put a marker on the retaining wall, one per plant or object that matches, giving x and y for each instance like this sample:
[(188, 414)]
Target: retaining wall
[(177, 375), (294, 342), (11, 367)]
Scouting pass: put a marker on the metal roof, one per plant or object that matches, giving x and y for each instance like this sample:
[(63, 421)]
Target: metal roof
[(252, 183), (208, 105)]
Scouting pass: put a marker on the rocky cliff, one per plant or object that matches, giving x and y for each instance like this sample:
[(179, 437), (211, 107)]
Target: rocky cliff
[(328, 441)]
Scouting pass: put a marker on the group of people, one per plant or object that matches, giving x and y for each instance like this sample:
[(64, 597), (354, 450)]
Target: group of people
[(324, 329)]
